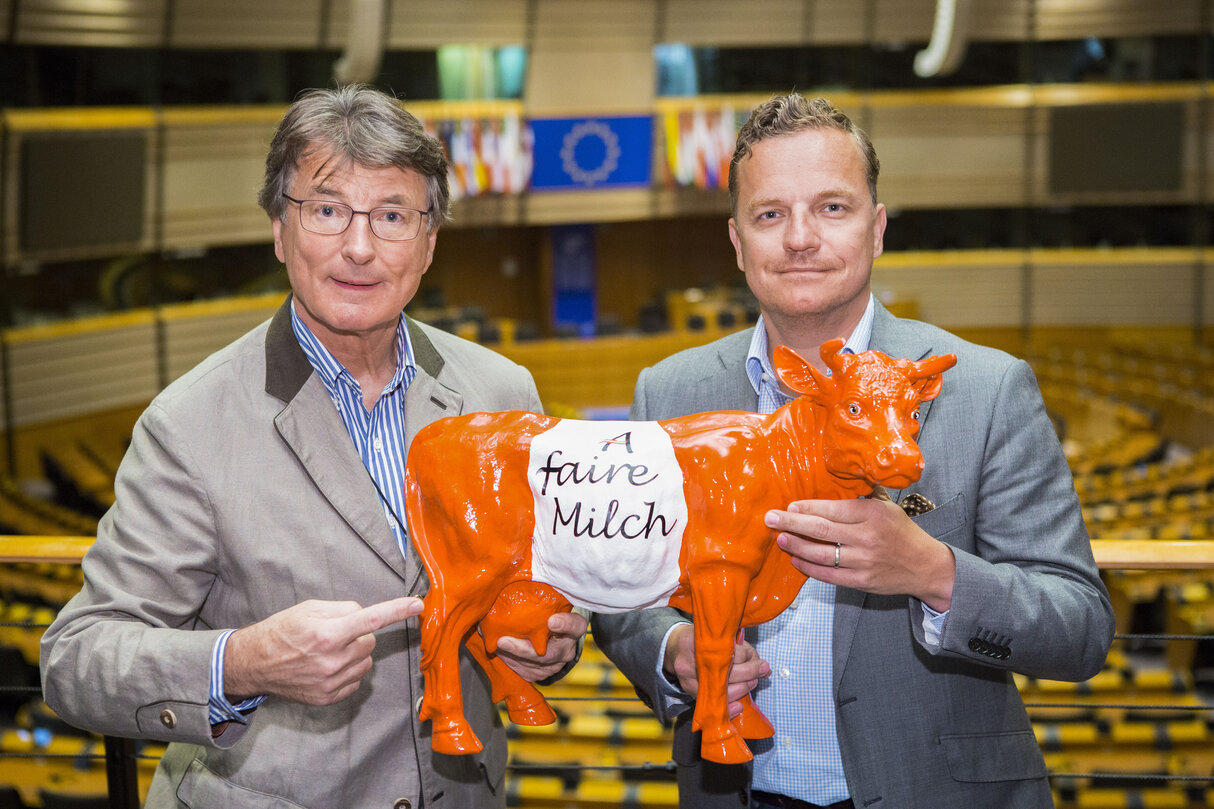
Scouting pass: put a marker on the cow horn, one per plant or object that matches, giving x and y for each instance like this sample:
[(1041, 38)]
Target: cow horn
[(832, 355), (932, 366)]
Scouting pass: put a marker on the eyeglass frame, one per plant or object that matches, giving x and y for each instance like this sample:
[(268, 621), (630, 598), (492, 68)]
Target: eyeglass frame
[(300, 203)]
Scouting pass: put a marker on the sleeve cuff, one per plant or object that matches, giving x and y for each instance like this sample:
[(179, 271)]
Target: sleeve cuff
[(671, 699), (933, 626), (220, 709)]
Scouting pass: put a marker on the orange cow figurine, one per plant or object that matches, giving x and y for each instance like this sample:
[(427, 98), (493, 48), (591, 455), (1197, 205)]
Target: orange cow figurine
[(516, 515)]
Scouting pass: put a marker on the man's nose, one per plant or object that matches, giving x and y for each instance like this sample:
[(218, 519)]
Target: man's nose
[(359, 244), (802, 232)]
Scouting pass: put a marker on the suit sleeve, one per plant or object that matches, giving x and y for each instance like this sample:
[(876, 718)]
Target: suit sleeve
[(1028, 595), (118, 659), (634, 640)]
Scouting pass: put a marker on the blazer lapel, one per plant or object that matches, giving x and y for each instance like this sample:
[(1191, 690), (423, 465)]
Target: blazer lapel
[(311, 427), (728, 383), (426, 400), (891, 338)]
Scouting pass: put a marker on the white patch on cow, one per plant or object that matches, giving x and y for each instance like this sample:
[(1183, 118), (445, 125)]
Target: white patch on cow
[(609, 513)]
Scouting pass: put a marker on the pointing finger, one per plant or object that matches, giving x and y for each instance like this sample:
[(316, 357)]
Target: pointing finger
[(377, 616)]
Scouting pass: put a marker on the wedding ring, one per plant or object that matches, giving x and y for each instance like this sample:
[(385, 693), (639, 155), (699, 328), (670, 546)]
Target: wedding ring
[(838, 549)]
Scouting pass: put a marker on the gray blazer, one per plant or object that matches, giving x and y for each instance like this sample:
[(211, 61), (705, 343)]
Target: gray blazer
[(922, 728), (242, 495)]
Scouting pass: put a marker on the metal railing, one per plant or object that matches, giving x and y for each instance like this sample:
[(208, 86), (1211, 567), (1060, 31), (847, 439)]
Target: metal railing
[(121, 754)]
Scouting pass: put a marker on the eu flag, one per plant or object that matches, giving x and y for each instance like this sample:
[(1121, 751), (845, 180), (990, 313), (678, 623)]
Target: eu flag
[(586, 153)]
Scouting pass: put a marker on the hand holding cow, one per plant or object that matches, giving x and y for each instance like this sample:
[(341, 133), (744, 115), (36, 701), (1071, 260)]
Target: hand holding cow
[(880, 549), (565, 629), (679, 665)]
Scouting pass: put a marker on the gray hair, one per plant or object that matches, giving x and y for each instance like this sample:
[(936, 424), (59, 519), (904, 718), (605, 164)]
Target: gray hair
[(364, 126), (792, 113)]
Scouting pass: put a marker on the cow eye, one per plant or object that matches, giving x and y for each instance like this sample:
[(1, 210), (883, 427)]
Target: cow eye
[(854, 409), (915, 414)]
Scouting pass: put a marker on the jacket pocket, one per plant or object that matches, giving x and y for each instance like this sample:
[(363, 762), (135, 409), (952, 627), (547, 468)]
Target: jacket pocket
[(987, 757), (944, 518), (201, 788)]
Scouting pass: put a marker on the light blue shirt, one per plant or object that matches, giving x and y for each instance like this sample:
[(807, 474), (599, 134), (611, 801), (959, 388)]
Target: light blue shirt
[(802, 760), (379, 438)]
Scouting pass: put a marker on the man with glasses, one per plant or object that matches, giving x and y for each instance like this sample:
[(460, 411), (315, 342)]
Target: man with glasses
[(251, 597)]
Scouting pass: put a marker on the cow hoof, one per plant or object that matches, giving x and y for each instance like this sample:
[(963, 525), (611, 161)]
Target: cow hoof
[(728, 750), (538, 713), (752, 724), (456, 739)]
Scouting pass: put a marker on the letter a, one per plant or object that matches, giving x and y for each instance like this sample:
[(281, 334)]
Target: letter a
[(624, 439)]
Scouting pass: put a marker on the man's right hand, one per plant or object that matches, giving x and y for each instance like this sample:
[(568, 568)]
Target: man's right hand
[(316, 652), (679, 664)]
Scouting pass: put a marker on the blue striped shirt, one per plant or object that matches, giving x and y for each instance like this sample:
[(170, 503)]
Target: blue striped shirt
[(379, 438)]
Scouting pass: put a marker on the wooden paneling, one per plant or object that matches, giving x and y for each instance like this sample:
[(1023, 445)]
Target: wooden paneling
[(213, 171), (954, 290), (832, 23), (1087, 291), (901, 21), (591, 59), (617, 25), (725, 23), (269, 24), (938, 148), (81, 367), (1075, 19), (1001, 20), (91, 23), (945, 156), (264, 24), (458, 22)]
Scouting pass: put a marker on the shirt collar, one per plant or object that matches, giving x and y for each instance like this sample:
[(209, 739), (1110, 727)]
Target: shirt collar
[(758, 359), (332, 372)]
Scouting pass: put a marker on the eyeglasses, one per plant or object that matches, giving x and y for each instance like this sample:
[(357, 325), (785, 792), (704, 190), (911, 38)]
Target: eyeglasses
[(331, 218)]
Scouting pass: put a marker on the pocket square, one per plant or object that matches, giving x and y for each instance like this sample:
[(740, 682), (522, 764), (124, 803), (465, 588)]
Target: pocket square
[(916, 504)]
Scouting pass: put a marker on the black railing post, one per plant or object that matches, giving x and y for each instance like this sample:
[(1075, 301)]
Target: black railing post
[(120, 773)]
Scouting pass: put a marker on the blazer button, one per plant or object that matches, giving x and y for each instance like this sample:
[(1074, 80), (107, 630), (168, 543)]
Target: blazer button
[(168, 719), (403, 803)]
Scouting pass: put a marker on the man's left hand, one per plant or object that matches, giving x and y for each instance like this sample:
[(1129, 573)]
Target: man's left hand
[(565, 629), (879, 549)]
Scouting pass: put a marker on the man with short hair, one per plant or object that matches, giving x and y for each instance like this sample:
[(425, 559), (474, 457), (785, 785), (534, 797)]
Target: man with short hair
[(889, 679), (252, 595)]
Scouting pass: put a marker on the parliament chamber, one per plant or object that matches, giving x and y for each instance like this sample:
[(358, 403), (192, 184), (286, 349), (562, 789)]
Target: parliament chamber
[(1050, 196)]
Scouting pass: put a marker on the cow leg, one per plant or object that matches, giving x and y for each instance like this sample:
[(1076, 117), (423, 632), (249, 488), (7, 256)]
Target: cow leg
[(522, 610), (442, 693), (751, 723), (525, 705), (718, 595)]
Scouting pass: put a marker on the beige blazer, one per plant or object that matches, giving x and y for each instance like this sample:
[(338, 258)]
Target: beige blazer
[(242, 495)]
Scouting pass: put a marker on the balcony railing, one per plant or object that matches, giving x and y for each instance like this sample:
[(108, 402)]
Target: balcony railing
[(121, 756)]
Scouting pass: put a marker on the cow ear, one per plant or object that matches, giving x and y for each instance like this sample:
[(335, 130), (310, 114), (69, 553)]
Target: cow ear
[(797, 374), (927, 375)]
